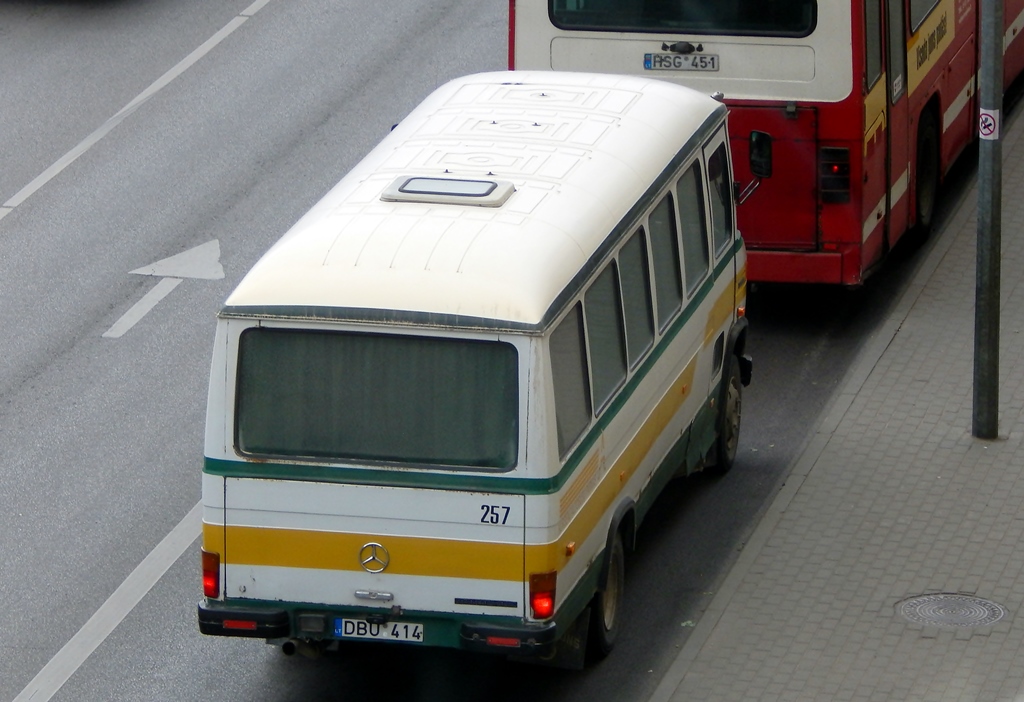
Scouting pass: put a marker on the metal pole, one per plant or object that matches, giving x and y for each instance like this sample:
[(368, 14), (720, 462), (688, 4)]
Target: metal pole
[(986, 309)]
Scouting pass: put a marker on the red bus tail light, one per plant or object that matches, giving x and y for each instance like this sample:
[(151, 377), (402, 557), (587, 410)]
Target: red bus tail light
[(511, 35), (542, 594), (834, 174), (211, 574)]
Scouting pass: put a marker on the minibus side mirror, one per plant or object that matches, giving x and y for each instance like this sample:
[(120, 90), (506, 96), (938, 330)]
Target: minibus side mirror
[(760, 162)]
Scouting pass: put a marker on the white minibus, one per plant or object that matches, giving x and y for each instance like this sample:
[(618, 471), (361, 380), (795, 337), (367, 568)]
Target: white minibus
[(442, 404)]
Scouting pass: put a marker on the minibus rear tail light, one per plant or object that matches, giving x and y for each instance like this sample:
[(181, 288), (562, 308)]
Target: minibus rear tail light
[(211, 574), (834, 174), (542, 594), (504, 641), (240, 624)]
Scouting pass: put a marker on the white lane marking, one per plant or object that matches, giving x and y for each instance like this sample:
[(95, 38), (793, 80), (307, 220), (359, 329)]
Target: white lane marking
[(4, 211), (108, 126), (142, 307), (75, 652)]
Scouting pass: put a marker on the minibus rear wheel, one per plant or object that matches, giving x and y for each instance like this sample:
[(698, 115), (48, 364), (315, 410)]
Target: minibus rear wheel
[(730, 412), (605, 611)]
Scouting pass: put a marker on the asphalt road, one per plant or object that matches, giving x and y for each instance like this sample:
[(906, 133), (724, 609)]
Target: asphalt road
[(240, 116)]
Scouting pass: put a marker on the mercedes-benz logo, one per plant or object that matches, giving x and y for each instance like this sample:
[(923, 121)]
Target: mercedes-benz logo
[(373, 557)]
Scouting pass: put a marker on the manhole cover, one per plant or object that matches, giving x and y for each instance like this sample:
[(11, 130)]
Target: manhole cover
[(950, 610)]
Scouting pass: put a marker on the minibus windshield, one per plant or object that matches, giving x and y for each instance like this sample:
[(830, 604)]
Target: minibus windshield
[(737, 17), (378, 398)]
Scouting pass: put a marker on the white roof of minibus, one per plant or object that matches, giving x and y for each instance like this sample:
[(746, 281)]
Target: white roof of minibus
[(581, 149)]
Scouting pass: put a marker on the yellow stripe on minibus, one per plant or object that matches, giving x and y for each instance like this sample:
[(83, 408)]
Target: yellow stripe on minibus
[(326, 550)]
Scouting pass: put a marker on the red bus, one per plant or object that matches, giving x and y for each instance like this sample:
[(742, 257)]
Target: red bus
[(857, 109)]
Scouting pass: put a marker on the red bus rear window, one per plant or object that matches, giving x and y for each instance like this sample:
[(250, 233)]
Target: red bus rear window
[(769, 18)]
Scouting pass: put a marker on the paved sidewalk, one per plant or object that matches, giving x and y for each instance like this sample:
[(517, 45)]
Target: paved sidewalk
[(892, 499)]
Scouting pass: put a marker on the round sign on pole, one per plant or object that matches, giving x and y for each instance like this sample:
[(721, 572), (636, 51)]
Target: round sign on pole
[(988, 124)]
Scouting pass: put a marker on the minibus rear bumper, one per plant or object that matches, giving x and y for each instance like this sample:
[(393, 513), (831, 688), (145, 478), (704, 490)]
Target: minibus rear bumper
[(528, 640), (250, 623)]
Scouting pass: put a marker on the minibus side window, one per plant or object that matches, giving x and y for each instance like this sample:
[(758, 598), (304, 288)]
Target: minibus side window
[(668, 283), (569, 375), (694, 225), (636, 296), (720, 181), (603, 309)]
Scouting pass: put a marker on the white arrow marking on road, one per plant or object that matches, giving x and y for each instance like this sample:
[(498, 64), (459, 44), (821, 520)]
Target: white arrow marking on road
[(200, 262), (203, 262)]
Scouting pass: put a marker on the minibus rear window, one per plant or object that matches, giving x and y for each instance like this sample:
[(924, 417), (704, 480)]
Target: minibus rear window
[(377, 398)]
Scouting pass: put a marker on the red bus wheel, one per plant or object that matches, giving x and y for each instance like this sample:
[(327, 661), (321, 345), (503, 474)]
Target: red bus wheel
[(927, 189)]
